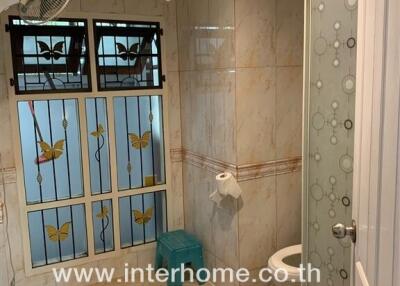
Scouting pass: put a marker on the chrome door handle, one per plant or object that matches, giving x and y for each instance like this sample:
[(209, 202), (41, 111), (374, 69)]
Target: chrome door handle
[(339, 230)]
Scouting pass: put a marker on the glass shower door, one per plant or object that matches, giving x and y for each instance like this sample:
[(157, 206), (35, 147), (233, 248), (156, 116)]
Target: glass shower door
[(329, 106)]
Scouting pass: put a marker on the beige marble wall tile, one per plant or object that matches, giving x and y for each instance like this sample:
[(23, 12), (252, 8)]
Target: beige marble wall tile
[(222, 33), (193, 34), (103, 6), (221, 116), (289, 111), (255, 33), (174, 110), (2, 55), (225, 232), (198, 210), (255, 278), (219, 282), (144, 7), (257, 222), (216, 228), (288, 192), (256, 111), (176, 203), (208, 113), (73, 6), (194, 93), (289, 32), (171, 35), (6, 144)]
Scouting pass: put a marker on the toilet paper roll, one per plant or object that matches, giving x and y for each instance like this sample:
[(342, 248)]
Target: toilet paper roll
[(227, 185)]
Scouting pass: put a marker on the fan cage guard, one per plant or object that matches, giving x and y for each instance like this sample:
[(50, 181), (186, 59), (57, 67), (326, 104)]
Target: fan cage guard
[(39, 12)]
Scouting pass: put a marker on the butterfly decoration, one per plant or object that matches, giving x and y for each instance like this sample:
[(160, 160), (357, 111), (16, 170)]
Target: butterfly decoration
[(55, 234), (143, 218), (103, 213), (99, 131), (140, 142), (124, 53), (48, 53), (49, 152)]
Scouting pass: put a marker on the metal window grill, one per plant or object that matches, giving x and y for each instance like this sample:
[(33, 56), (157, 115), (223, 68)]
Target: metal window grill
[(51, 150), (144, 217), (103, 227), (128, 55), (139, 139), (57, 235), (99, 157), (50, 58)]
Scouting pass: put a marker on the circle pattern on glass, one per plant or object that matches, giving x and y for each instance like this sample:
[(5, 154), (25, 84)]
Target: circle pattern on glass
[(320, 46), (351, 42), (331, 251), (318, 121), (315, 259), (349, 84), (335, 104), (346, 163), (350, 4), (333, 140), (316, 192), (346, 201), (348, 124), (343, 274), (336, 62), (336, 44)]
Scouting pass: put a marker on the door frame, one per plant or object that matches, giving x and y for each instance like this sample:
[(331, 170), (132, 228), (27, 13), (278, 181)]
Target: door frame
[(377, 144)]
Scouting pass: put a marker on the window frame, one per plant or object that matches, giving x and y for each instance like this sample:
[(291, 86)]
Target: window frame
[(88, 198)]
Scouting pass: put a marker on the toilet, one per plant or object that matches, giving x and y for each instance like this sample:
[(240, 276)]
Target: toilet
[(288, 258)]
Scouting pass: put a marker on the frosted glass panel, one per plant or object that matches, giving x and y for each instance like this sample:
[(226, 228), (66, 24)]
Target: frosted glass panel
[(99, 161), (103, 229), (139, 141), (57, 235), (51, 149), (330, 136), (142, 218)]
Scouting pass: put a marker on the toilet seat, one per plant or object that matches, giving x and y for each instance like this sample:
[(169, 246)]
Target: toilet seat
[(275, 262)]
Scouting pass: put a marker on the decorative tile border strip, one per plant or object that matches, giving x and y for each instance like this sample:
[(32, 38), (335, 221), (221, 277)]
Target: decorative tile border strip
[(241, 172), (176, 155), (9, 174)]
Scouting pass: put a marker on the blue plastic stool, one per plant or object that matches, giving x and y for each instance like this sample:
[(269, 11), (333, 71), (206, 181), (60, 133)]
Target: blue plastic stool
[(177, 248)]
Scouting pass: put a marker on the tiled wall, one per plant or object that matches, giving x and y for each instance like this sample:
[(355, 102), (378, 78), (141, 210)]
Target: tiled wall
[(241, 99), (136, 7)]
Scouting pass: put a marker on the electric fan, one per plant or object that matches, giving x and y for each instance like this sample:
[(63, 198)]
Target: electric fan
[(38, 12)]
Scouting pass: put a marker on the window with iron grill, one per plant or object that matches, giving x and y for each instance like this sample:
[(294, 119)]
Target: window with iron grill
[(93, 162)]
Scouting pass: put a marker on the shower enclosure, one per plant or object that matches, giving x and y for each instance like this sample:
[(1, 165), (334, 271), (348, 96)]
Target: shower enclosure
[(329, 112)]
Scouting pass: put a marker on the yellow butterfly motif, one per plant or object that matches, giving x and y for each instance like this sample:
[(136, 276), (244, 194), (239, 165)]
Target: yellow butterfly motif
[(52, 152), (99, 131), (58, 234), (140, 142), (143, 218), (103, 213)]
